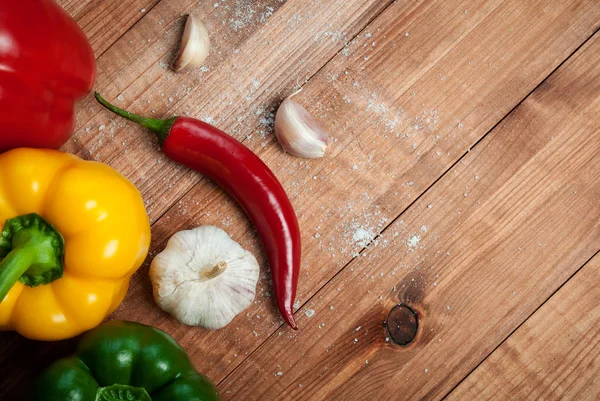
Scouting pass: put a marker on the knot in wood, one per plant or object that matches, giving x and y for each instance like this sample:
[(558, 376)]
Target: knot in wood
[(402, 324)]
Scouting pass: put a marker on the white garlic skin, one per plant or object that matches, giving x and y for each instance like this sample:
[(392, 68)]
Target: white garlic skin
[(181, 289), (298, 132), (195, 45)]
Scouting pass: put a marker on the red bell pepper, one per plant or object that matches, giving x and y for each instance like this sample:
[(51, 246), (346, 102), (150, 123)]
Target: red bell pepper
[(46, 64)]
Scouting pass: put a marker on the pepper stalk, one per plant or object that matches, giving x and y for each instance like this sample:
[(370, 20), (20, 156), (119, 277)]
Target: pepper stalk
[(32, 251)]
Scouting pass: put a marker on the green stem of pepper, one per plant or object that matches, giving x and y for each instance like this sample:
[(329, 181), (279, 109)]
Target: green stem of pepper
[(160, 128), (32, 251), (121, 392)]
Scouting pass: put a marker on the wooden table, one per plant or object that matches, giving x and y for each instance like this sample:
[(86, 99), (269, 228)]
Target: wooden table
[(463, 183)]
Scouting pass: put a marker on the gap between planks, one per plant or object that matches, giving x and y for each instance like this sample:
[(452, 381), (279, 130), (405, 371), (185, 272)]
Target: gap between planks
[(526, 320), (114, 31)]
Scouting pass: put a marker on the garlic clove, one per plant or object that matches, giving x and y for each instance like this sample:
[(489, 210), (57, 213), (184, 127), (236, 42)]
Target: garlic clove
[(195, 45), (298, 132), (204, 278)]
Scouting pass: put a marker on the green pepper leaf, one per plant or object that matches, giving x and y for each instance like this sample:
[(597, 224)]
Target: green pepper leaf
[(121, 392)]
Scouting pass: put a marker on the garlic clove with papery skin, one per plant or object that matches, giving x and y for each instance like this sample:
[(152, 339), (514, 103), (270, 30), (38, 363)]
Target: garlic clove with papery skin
[(298, 132), (204, 278), (195, 45)]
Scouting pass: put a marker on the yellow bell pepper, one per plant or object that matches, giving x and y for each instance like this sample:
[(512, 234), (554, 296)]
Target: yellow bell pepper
[(72, 234)]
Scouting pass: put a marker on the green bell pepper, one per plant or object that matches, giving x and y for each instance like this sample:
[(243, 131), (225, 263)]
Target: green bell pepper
[(124, 361)]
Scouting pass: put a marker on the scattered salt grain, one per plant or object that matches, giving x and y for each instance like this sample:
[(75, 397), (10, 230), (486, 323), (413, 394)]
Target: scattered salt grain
[(309, 312), (208, 120), (413, 241), (363, 236)]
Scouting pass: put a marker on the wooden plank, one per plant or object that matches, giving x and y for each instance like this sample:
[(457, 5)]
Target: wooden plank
[(105, 21), (553, 356), (474, 256), (557, 39), (337, 219)]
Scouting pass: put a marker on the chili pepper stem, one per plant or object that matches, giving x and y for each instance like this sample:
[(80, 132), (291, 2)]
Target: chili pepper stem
[(160, 128)]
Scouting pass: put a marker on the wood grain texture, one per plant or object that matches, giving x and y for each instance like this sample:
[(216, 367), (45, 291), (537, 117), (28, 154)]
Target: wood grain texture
[(553, 356), (374, 169), (105, 21), (257, 53), (474, 265), (139, 62), (404, 100)]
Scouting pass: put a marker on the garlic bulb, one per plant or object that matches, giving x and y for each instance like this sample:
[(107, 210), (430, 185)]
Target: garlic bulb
[(195, 45), (298, 132), (204, 278)]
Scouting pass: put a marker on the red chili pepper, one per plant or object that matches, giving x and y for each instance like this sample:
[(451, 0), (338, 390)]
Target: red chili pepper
[(241, 173), (46, 64)]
